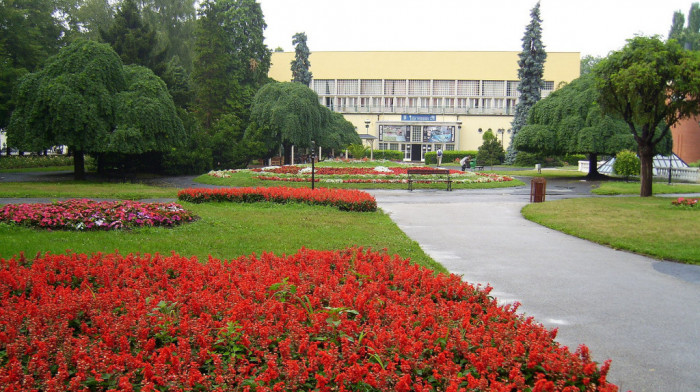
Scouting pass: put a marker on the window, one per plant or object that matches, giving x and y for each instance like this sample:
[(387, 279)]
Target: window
[(548, 85), (462, 103), (512, 89), (468, 87), (424, 102), (400, 102), (449, 103), (474, 102), (417, 133), (443, 87), (347, 87), (419, 87), (394, 87), (394, 146), (499, 103), (324, 86), (382, 146), (449, 147), (493, 88), (371, 87), (437, 102), (412, 102)]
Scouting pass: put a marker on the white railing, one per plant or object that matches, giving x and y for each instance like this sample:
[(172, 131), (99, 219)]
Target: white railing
[(583, 166), (689, 174)]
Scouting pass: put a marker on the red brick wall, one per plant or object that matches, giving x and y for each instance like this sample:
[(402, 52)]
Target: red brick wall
[(686, 139)]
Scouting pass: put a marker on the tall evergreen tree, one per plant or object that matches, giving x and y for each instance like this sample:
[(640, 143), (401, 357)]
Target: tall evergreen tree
[(231, 58), (530, 73), (175, 23), (134, 40), (301, 64), (688, 36)]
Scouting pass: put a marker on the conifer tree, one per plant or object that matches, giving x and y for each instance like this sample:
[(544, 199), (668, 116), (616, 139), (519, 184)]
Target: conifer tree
[(301, 64), (530, 73)]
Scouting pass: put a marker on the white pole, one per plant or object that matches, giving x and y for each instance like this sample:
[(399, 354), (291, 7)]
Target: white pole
[(292, 154)]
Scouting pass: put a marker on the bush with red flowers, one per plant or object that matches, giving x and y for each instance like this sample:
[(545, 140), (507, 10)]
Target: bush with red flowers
[(84, 214), (343, 199), (345, 320)]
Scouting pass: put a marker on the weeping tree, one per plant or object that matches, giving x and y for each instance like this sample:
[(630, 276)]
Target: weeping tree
[(569, 121), (288, 114), (650, 85), (86, 99), (530, 72), (301, 64)]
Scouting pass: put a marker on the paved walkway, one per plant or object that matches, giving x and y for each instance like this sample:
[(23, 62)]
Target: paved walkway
[(642, 313)]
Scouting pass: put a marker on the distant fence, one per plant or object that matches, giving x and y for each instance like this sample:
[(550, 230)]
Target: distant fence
[(685, 174)]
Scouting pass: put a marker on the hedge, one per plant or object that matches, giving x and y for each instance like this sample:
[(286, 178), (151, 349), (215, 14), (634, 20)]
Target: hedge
[(448, 156)]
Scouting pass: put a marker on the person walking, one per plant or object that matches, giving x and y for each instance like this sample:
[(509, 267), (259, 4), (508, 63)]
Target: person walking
[(465, 162), (439, 157)]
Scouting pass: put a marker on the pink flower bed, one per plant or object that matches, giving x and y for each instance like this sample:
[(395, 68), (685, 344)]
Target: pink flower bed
[(343, 199), (84, 214), (349, 320)]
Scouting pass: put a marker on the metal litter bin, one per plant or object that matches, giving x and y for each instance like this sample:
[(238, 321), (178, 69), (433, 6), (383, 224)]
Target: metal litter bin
[(538, 190)]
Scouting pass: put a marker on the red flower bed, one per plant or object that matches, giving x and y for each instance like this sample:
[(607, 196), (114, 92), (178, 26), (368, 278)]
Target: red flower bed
[(84, 214), (343, 199), (683, 202), (315, 320)]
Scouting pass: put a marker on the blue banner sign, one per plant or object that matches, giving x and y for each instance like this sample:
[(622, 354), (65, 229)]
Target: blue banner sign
[(418, 117)]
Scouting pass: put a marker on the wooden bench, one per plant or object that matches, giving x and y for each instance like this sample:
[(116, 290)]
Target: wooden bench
[(276, 161), (419, 172)]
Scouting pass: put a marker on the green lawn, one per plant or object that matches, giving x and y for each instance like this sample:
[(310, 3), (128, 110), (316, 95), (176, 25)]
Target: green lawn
[(649, 226), (633, 188), (228, 230), (107, 190)]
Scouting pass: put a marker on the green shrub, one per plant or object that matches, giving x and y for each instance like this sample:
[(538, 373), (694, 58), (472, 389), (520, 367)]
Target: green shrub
[(448, 156), (695, 164), (626, 164), (30, 161), (572, 159), (389, 155), (358, 150)]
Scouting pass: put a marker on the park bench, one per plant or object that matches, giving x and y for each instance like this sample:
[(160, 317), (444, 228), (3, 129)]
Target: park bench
[(276, 161), (419, 172)]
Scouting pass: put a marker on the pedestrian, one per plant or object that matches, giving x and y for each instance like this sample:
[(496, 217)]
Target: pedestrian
[(439, 157), (465, 162)]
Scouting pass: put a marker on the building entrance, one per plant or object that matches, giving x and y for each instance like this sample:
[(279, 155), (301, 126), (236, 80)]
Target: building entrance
[(415, 152)]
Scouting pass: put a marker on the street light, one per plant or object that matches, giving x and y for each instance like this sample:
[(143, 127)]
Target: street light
[(502, 132), (371, 148), (313, 158)]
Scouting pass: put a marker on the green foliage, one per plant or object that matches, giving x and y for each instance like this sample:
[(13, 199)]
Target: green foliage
[(301, 64), (389, 155), (195, 154), (448, 156), (490, 152), (694, 164), (651, 85), (289, 114), (175, 23), (86, 99), (338, 133), (29, 33), (687, 36), (33, 161), (134, 41), (231, 59), (530, 73), (626, 164), (358, 151)]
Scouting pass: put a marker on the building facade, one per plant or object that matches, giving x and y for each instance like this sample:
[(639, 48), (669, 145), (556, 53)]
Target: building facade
[(416, 102), (686, 139)]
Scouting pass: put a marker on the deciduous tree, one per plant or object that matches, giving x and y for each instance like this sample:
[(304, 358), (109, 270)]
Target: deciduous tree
[(651, 85)]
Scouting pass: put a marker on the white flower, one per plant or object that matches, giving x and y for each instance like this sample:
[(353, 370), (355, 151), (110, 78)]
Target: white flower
[(305, 170), (382, 169)]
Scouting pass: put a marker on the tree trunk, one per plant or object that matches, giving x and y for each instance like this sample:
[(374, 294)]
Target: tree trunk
[(79, 164), (646, 157), (593, 165)]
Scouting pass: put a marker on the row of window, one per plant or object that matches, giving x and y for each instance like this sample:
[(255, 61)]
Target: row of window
[(404, 147), (423, 102), (410, 87)]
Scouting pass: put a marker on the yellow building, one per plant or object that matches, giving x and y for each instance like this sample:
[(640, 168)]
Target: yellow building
[(417, 102)]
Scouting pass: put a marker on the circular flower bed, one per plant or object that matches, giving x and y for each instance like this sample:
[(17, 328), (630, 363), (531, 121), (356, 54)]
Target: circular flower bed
[(378, 174), (683, 202), (316, 320), (84, 214)]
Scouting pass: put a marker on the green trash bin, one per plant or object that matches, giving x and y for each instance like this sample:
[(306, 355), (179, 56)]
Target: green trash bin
[(472, 164)]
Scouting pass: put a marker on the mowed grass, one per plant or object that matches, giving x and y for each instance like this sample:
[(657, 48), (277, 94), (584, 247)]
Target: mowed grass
[(649, 226), (81, 189), (229, 230), (633, 188)]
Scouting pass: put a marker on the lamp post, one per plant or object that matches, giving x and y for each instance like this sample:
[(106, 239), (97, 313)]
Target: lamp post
[(371, 152), (313, 158), (502, 132)]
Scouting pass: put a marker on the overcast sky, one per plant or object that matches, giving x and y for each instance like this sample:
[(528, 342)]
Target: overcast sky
[(593, 27)]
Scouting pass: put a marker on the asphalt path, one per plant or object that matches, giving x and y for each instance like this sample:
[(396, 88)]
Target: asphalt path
[(642, 313)]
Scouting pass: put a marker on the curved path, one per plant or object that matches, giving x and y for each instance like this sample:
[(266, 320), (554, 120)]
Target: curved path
[(642, 313)]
